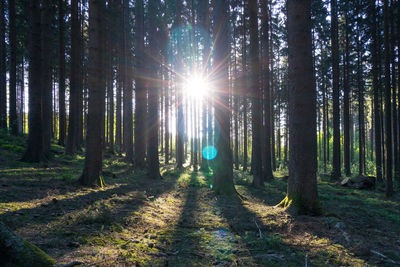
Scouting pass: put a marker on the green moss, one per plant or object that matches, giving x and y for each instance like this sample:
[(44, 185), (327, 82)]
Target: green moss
[(34, 256), (297, 205)]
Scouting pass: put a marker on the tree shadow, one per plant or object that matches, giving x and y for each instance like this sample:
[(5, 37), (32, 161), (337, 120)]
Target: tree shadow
[(186, 236)]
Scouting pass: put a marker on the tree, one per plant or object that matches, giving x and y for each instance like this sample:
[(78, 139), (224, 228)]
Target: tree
[(127, 85), (256, 115), (34, 150), (346, 100), (153, 93), (96, 83), (13, 69), (302, 191), (140, 90), (179, 116), (46, 73), (335, 86), (376, 88), (266, 141), (3, 69), (73, 128), (388, 108), (223, 178), (61, 73)]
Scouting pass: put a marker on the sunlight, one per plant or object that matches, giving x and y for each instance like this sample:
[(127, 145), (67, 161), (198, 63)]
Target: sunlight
[(196, 86)]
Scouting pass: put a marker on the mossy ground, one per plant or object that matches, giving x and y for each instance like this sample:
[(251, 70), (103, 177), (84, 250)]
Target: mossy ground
[(179, 220)]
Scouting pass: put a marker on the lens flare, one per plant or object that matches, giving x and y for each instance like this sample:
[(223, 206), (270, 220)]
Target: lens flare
[(209, 152)]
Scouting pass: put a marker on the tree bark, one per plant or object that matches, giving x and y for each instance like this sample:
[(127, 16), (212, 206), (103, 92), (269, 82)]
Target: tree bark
[(46, 70), (256, 115), (153, 94), (61, 74), (127, 85), (91, 175), (336, 92), (302, 183), (388, 108), (141, 91), (267, 99), (34, 151), (72, 138), (3, 68), (223, 178), (377, 89)]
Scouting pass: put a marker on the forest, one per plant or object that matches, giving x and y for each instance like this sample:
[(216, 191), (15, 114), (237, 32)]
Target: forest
[(199, 133)]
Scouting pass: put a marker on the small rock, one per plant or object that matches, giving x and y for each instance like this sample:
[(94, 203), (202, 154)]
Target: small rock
[(340, 225), (153, 236), (151, 245)]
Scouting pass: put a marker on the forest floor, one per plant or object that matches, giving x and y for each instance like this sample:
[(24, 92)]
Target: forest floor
[(179, 221)]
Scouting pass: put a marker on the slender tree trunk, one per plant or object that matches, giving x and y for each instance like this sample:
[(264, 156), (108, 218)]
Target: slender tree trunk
[(3, 69), (302, 183), (46, 83), (394, 97), (72, 138), (179, 94), (61, 73), (336, 92), (153, 94), (223, 178), (377, 89), (388, 111), (244, 88), (266, 140), (256, 115), (141, 92), (13, 69), (91, 175), (346, 102), (127, 83), (34, 151)]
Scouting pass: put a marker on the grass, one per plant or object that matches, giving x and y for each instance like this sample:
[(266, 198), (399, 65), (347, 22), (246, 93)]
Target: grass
[(179, 221)]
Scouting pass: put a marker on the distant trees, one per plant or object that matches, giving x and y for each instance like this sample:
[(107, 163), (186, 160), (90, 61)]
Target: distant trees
[(146, 67)]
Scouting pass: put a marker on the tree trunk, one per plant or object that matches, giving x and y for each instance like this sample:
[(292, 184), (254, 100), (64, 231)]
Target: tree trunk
[(46, 70), (141, 91), (34, 151), (267, 99), (256, 115), (388, 111), (336, 92), (377, 89), (91, 175), (302, 183), (15, 251), (153, 94), (346, 102), (61, 74), (3, 68), (72, 138), (223, 178), (13, 69), (244, 88), (180, 135), (127, 85)]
